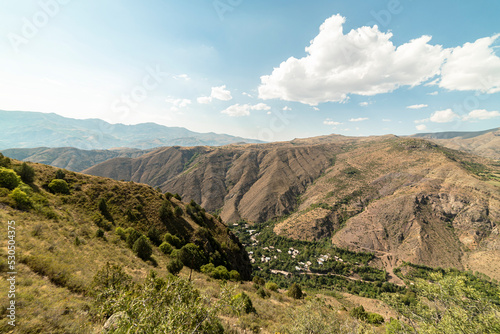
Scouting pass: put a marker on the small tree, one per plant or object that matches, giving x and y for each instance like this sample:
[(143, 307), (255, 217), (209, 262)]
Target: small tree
[(191, 256), (154, 236), (132, 236), (175, 266), (178, 211), (8, 178), (58, 186), (165, 212), (295, 291), (142, 248), (27, 173), (103, 207)]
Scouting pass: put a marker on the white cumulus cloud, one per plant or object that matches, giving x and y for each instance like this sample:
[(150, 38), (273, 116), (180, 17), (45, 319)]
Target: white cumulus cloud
[(177, 103), (331, 122), (421, 127), (364, 62), (473, 66), (219, 93), (237, 110), (481, 114), (443, 116), (417, 106), (358, 119)]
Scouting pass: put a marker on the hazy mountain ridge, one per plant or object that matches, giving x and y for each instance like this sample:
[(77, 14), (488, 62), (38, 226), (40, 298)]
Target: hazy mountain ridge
[(32, 129), (484, 143)]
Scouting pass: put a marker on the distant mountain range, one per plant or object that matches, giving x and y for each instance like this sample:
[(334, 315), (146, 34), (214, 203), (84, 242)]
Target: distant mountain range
[(20, 129), (485, 143)]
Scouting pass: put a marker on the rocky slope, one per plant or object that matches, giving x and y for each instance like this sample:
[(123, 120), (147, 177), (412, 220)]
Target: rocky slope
[(408, 200), (402, 198), (252, 182)]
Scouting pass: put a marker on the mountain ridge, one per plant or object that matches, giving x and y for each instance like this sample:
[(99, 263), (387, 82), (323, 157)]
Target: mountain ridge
[(21, 129), (330, 187)]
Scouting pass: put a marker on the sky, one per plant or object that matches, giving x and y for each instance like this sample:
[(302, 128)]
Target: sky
[(268, 70)]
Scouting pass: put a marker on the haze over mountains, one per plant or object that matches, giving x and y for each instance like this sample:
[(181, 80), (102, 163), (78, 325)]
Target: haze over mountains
[(33, 129)]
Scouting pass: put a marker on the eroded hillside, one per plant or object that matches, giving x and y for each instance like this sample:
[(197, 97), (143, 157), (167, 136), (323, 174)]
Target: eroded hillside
[(403, 198)]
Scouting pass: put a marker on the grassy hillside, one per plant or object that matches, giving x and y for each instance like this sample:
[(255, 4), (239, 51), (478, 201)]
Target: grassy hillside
[(64, 236), (77, 272), (69, 158)]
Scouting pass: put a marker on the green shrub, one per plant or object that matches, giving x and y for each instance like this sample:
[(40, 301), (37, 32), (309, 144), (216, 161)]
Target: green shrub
[(258, 280), (4, 161), (262, 293), (60, 174), (220, 272), (99, 233), (132, 236), (121, 233), (295, 291), (271, 286), (103, 208), (166, 248), (177, 196), (175, 266), (101, 222), (154, 236), (142, 248), (8, 178), (359, 313), (21, 198), (234, 276), (207, 269), (27, 173), (243, 302), (58, 186), (375, 319), (170, 305), (173, 240)]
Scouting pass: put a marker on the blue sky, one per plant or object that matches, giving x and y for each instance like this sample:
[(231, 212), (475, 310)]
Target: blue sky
[(271, 70)]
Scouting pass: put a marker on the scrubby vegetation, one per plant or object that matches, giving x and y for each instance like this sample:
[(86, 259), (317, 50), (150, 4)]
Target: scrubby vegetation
[(67, 283)]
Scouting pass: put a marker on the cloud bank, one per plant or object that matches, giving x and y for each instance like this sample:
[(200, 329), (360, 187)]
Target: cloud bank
[(365, 62)]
